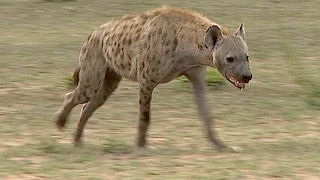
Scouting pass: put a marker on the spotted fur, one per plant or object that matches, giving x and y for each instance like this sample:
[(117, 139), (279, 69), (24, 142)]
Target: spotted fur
[(150, 48)]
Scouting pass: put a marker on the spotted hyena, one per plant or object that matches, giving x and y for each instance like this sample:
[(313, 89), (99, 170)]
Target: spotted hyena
[(151, 48)]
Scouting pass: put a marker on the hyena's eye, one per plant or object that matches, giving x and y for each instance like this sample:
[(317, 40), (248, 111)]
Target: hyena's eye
[(230, 59)]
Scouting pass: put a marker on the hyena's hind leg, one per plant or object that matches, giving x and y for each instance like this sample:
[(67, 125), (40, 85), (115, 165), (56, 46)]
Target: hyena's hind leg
[(71, 100), (86, 84), (111, 82)]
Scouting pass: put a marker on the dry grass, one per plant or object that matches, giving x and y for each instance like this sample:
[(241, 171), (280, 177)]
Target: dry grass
[(275, 120)]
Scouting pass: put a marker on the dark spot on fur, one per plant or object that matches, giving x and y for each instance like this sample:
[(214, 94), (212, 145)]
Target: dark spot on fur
[(174, 31), (138, 30), (89, 36), (124, 40), (175, 43), (138, 36), (142, 22), (159, 31), (146, 115), (84, 48), (145, 45), (153, 70), (158, 62), (167, 51), (142, 64), (144, 17), (153, 81), (142, 92), (117, 50), (116, 26), (122, 66), (166, 43), (164, 35)]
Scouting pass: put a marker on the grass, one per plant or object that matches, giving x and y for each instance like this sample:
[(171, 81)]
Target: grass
[(274, 120), (57, 0), (68, 80), (214, 79)]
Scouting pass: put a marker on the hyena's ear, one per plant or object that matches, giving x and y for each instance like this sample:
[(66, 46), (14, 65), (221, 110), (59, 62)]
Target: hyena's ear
[(212, 36), (240, 31)]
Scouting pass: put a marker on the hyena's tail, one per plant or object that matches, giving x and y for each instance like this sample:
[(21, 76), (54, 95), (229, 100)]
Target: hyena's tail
[(76, 76)]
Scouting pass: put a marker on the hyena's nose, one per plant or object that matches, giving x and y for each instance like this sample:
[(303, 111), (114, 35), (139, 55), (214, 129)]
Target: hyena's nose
[(246, 77)]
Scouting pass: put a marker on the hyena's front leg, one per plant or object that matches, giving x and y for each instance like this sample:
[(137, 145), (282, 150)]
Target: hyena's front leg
[(197, 79), (145, 95)]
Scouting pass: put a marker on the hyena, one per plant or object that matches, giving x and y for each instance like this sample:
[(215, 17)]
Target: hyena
[(151, 48)]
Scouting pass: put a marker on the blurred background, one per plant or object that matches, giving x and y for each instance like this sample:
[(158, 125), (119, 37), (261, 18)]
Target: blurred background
[(275, 120)]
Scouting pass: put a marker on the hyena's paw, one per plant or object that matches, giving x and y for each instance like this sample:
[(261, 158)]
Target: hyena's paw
[(77, 143), (60, 122)]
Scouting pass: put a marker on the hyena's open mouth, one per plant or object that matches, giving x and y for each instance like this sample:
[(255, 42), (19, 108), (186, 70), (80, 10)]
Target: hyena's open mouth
[(235, 82)]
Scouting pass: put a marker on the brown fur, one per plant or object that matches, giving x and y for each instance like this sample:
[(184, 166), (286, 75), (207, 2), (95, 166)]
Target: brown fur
[(75, 76), (152, 47)]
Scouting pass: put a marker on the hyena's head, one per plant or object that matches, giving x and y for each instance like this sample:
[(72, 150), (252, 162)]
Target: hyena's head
[(230, 54)]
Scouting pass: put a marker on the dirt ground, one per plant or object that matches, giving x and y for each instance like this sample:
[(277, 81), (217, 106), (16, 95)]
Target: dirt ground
[(275, 120)]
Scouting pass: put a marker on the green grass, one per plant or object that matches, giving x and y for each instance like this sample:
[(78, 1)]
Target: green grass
[(68, 80), (116, 146), (274, 120), (214, 79)]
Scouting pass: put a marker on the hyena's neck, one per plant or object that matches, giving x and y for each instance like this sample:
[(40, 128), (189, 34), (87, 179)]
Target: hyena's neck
[(192, 48)]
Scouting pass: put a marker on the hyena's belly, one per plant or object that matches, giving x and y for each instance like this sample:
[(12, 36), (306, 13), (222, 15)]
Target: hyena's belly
[(122, 63)]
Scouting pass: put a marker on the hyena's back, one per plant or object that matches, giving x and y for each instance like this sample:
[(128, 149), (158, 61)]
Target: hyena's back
[(119, 45), (140, 45)]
